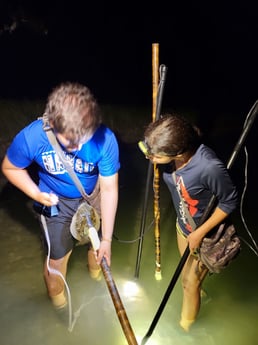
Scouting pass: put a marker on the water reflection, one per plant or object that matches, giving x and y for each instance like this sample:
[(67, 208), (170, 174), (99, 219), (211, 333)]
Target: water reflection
[(228, 314)]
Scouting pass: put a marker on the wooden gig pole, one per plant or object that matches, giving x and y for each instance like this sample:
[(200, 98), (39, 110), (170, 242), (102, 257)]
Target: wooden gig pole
[(155, 84), (119, 307), (118, 304)]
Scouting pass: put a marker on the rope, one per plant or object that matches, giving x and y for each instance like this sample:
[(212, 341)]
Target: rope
[(56, 272)]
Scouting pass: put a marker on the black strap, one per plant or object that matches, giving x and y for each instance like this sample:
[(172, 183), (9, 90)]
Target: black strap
[(53, 141)]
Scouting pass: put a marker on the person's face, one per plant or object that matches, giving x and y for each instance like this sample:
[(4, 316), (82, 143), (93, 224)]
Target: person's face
[(69, 145), (153, 157), (160, 159)]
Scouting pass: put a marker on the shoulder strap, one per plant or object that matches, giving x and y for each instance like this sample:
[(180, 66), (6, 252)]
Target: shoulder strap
[(52, 139), (69, 168), (189, 217)]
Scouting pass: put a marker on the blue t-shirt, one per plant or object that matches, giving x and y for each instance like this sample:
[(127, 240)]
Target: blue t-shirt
[(99, 155), (197, 181)]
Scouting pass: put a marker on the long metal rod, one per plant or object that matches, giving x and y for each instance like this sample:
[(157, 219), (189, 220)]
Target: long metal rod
[(143, 221), (251, 117)]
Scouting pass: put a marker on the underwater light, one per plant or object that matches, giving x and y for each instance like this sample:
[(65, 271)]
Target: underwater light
[(131, 289)]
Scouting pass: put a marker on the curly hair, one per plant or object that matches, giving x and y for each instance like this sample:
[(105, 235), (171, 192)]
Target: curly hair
[(171, 135), (72, 110)]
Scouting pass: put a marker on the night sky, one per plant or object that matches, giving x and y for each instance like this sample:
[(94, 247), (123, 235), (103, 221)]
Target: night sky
[(211, 52)]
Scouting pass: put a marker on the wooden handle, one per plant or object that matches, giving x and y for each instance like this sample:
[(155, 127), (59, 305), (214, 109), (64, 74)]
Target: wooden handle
[(155, 85), (120, 310)]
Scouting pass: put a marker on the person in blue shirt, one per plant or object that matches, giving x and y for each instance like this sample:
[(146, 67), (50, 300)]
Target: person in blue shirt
[(92, 150), (198, 174)]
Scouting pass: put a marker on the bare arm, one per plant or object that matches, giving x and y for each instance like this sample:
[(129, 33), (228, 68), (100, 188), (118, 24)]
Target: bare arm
[(21, 179), (109, 201)]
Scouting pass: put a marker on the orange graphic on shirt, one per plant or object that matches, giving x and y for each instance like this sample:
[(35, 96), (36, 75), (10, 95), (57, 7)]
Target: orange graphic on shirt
[(189, 201)]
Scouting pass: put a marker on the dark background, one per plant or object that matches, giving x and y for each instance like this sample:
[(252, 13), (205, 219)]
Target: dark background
[(209, 48), (210, 51)]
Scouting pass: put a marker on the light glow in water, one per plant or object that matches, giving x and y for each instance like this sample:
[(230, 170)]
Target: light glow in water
[(131, 289)]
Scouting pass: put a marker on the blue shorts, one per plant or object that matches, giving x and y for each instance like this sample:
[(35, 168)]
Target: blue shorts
[(58, 227)]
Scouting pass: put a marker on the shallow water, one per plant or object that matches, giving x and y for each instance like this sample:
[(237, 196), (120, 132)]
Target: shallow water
[(228, 314)]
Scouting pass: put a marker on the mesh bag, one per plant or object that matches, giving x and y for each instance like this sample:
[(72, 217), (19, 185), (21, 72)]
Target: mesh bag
[(217, 251), (85, 217)]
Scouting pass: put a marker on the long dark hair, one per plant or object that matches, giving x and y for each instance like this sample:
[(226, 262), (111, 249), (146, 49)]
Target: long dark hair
[(172, 135)]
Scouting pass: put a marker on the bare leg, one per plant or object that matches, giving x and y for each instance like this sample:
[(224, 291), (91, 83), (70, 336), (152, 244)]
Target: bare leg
[(193, 275), (93, 267), (54, 283)]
